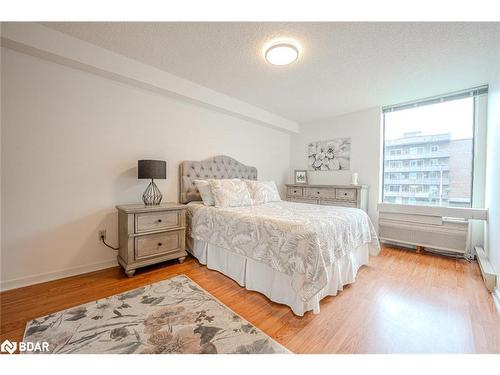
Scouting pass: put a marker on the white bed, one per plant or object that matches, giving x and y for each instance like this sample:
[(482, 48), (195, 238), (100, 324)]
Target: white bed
[(294, 253)]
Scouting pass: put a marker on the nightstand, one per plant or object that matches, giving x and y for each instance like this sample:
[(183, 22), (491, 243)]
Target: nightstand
[(151, 234)]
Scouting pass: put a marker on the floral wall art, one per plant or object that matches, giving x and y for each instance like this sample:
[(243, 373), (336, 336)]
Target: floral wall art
[(332, 155)]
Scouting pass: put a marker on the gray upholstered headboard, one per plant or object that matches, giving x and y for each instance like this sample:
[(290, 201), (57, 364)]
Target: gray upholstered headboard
[(220, 166)]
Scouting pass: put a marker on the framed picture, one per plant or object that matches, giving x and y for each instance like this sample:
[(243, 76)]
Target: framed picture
[(300, 176), (332, 155)]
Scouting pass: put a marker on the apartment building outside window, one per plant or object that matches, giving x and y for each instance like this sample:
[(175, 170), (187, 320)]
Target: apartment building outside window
[(429, 150)]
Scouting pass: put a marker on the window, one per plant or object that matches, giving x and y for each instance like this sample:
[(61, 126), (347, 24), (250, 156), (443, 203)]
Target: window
[(416, 188), (416, 132)]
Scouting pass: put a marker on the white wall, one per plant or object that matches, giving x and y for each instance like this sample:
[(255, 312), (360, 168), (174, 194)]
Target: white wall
[(70, 145), (493, 172), (364, 129), (40, 41)]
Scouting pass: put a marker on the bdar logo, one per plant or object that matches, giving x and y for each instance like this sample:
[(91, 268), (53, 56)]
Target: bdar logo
[(9, 347)]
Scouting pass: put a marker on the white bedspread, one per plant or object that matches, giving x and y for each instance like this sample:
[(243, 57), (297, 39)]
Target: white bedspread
[(298, 239)]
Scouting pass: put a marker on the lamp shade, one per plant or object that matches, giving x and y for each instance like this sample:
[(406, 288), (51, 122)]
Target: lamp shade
[(152, 169)]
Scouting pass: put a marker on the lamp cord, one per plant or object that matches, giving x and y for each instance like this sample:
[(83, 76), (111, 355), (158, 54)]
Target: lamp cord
[(111, 247)]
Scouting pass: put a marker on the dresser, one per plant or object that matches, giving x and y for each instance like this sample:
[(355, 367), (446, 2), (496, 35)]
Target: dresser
[(331, 195), (150, 234)]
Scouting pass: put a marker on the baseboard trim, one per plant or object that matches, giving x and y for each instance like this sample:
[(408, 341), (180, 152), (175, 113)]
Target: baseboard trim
[(496, 298), (55, 275), (487, 272)]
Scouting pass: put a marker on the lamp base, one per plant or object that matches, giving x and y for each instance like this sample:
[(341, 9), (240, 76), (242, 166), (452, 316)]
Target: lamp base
[(152, 195)]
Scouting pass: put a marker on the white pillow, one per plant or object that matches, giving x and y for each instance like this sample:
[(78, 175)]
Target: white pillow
[(205, 190), (263, 191), (230, 193)]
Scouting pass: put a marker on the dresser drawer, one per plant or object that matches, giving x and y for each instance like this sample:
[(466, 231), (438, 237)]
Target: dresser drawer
[(303, 200), (339, 203), (158, 244), (295, 191), (319, 193), (345, 194), (151, 221)]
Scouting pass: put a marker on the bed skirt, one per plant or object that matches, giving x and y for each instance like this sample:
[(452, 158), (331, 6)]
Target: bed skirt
[(275, 285)]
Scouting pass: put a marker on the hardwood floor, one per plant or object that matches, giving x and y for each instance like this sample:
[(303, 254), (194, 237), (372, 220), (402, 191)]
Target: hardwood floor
[(402, 303)]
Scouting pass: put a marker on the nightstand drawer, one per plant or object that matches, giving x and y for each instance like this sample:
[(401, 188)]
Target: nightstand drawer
[(151, 221), (345, 194), (158, 244)]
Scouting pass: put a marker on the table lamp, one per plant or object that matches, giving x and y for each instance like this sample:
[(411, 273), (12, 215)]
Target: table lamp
[(152, 169)]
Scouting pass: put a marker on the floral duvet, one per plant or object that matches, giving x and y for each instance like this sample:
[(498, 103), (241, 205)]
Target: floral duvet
[(298, 239)]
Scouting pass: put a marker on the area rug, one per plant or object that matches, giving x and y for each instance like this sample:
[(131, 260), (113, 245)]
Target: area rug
[(171, 316)]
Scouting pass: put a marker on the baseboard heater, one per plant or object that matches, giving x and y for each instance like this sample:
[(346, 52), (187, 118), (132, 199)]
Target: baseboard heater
[(439, 228)]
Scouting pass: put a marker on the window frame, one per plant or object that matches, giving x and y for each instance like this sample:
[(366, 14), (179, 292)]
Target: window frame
[(437, 159)]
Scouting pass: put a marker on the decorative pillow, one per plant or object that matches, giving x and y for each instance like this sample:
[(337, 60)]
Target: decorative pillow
[(230, 193), (205, 190), (263, 191)]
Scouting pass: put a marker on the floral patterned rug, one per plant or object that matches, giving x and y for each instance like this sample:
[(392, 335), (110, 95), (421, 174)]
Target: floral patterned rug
[(171, 316)]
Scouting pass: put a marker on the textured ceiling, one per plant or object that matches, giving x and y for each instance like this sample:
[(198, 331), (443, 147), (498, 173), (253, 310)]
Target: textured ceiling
[(343, 67)]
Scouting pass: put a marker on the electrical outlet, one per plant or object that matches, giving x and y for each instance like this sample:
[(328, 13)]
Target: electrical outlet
[(102, 234)]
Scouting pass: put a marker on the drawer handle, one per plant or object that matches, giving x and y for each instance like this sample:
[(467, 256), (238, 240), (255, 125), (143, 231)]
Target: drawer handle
[(159, 220), (295, 191), (318, 192), (159, 244), (345, 193)]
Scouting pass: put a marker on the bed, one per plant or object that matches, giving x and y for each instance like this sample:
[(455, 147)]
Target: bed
[(294, 253)]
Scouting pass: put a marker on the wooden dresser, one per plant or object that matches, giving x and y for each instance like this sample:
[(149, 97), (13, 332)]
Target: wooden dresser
[(150, 234), (332, 195)]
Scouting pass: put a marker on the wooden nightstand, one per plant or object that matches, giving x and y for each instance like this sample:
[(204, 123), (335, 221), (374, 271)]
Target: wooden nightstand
[(151, 234)]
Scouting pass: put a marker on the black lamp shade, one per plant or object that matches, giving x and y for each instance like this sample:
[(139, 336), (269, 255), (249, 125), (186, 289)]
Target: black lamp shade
[(152, 169)]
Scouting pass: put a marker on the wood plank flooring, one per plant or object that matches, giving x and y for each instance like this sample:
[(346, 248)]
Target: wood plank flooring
[(402, 302)]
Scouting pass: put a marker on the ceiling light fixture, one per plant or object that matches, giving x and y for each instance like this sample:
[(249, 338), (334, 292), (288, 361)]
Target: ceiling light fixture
[(282, 53)]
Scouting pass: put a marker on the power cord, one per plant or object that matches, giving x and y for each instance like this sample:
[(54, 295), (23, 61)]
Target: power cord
[(467, 256), (449, 255), (111, 247)]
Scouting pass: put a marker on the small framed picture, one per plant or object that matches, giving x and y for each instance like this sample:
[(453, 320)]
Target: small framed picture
[(300, 176)]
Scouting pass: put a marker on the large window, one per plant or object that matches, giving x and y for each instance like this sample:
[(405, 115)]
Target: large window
[(429, 150)]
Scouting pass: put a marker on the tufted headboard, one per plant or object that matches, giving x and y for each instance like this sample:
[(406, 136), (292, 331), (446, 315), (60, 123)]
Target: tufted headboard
[(220, 166)]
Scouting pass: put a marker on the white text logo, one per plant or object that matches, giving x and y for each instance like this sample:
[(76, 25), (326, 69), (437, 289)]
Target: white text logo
[(9, 347)]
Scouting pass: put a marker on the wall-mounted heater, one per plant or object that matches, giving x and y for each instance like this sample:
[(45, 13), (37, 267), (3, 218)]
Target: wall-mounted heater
[(440, 228)]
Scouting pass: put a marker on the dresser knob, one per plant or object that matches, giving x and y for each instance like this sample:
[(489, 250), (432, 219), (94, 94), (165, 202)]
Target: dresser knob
[(159, 220), (159, 244)]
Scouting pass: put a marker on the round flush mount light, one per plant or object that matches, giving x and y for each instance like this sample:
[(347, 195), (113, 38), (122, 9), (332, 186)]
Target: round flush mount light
[(282, 53)]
